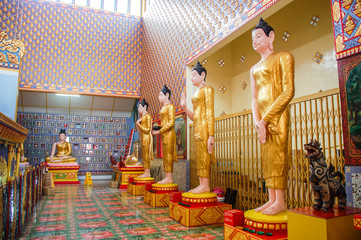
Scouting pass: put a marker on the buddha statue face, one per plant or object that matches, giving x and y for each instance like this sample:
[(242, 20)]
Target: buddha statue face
[(197, 79), (199, 74), (164, 94), (62, 136), (143, 107), (262, 37), (162, 98), (260, 41)]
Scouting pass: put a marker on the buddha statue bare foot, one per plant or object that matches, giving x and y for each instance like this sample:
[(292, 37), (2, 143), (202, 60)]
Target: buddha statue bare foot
[(201, 189), (144, 175), (166, 181), (275, 208), (264, 206), (194, 189)]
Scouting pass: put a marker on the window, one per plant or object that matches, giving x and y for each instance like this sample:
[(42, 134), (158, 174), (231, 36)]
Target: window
[(122, 6), (132, 7), (135, 7), (95, 4), (147, 4), (66, 1), (81, 2), (109, 5)]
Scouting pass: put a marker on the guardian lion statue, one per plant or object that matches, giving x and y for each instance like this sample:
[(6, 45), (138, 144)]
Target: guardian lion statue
[(326, 183)]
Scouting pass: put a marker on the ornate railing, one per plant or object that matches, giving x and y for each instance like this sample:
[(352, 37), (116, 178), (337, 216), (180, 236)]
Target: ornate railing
[(317, 116), (19, 200)]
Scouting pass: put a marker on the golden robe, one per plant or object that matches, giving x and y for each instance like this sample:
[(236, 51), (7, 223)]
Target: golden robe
[(203, 118), (167, 120), (63, 148), (146, 137), (274, 79), (21, 152)]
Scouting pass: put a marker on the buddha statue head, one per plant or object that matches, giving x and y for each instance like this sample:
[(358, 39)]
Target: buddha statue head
[(62, 135), (199, 74), (143, 107), (262, 37), (164, 94)]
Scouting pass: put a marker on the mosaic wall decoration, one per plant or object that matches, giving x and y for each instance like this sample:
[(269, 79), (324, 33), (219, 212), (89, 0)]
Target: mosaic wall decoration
[(195, 26), (75, 49), (349, 75), (346, 16), (353, 186), (93, 139), (11, 51)]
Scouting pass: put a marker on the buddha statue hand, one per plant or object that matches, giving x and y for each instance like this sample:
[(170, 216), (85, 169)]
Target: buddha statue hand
[(183, 100)]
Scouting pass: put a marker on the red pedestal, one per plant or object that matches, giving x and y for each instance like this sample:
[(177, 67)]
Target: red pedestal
[(64, 174), (357, 221)]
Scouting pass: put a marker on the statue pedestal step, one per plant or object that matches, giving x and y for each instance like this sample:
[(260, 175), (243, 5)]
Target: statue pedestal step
[(307, 223), (121, 175), (64, 173), (157, 195), (136, 186), (196, 209), (254, 225)]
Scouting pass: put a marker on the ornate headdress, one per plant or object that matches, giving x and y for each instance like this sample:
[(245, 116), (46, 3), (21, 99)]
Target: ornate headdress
[(199, 68), (166, 90), (264, 26), (144, 103)]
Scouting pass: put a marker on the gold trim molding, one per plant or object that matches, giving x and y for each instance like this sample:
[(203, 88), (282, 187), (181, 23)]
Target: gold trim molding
[(11, 131)]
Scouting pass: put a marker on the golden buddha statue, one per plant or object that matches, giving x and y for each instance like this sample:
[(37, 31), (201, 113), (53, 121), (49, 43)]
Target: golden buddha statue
[(350, 25), (144, 126), (203, 118), (272, 85), (357, 7), (23, 159), (167, 119), (131, 160), (63, 150)]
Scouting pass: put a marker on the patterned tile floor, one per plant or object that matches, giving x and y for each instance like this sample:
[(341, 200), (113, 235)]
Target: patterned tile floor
[(101, 212)]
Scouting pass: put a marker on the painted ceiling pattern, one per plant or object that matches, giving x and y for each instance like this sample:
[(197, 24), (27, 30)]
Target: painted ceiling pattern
[(75, 49)]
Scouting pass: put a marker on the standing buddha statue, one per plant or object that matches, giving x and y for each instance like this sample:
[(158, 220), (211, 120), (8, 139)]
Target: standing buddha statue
[(272, 85), (144, 126), (167, 119), (203, 118)]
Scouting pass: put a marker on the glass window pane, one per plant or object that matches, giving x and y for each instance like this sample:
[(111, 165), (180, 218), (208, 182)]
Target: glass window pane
[(80, 2), (147, 4), (66, 1), (135, 7), (122, 6), (95, 3), (109, 5)]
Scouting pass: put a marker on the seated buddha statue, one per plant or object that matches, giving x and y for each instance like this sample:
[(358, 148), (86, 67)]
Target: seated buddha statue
[(63, 149), (131, 160)]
